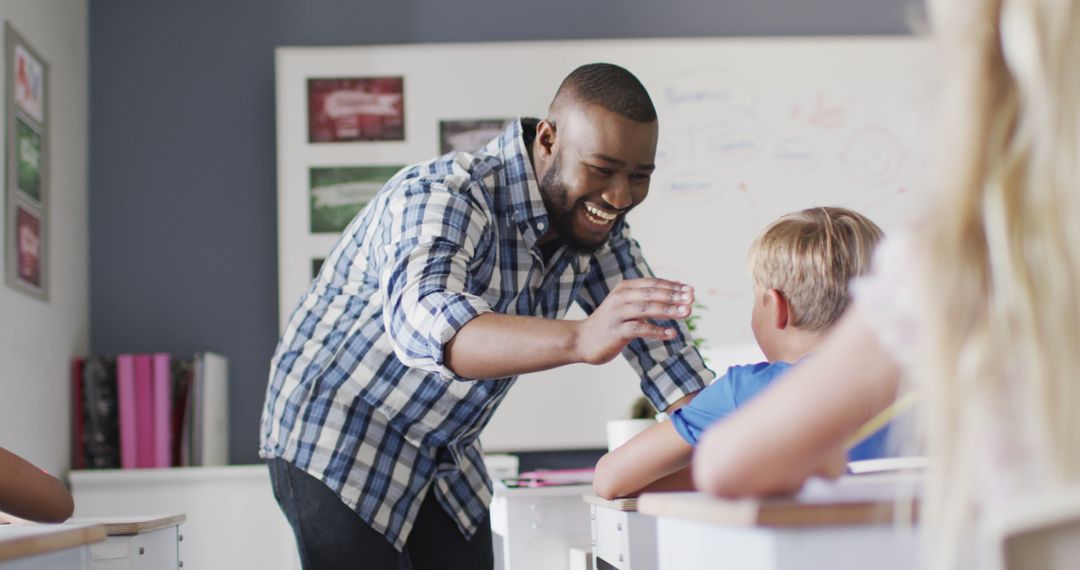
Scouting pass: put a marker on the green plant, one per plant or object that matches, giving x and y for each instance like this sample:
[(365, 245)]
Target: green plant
[(642, 409), (692, 324)]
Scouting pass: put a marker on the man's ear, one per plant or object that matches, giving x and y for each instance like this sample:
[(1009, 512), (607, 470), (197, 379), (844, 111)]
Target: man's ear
[(781, 308), (545, 138)]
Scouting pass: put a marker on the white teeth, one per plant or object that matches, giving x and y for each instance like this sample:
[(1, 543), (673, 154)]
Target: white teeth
[(599, 216)]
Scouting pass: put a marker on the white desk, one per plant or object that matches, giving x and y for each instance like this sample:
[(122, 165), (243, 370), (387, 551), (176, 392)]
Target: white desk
[(47, 547), (847, 525), (137, 543), (232, 520), (534, 528), (622, 538)]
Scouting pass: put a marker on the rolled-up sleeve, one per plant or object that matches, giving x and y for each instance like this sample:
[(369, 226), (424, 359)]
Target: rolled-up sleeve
[(425, 275), (669, 369)]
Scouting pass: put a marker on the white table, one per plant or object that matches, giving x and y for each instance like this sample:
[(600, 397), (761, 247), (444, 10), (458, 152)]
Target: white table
[(232, 519), (534, 528), (138, 543), (47, 547), (622, 537), (847, 525)]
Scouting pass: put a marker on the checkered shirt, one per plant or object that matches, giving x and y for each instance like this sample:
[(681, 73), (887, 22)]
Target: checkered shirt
[(359, 394)]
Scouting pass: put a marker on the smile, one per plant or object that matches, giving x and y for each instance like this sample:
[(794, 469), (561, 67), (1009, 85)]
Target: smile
[(598, 216)]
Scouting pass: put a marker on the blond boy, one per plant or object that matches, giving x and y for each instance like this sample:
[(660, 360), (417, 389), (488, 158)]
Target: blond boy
[(801, 265)]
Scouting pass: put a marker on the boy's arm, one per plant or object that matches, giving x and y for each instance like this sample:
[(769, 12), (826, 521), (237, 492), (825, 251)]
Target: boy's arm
[(646, 459), (681, 480)]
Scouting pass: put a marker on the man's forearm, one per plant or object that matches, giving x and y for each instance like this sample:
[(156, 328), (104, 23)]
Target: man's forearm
[(493, 345)]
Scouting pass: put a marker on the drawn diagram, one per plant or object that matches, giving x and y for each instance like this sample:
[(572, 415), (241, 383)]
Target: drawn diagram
[(827, 115), (734, 146), (796, 156), (873, 156), (707, 95)]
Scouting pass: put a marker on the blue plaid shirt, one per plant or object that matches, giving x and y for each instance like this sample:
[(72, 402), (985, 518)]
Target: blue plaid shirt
[(359, 394)]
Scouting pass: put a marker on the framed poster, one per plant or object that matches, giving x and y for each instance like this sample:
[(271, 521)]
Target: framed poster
[(356, 109), (468, 135), (26, 137), (339, 193)]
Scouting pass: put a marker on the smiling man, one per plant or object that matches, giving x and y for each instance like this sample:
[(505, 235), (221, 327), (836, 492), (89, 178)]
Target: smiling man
[(452, 282)]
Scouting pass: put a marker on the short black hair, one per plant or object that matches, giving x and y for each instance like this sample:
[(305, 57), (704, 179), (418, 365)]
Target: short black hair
[(611, 87)]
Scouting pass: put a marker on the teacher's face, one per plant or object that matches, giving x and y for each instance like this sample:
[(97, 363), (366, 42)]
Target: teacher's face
[(598, 171)]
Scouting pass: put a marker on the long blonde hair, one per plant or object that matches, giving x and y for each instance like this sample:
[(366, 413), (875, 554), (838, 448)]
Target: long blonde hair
[(1002, 345)]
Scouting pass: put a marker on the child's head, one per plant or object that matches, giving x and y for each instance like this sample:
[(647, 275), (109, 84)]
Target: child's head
[(801, 265)]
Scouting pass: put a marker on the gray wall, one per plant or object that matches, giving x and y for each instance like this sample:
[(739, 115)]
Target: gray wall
[(182, 147)]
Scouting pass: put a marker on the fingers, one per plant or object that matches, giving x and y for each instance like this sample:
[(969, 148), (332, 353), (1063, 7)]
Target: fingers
[(659, 310), (645, 329), (652, 303), (658, 286), (632, 303)]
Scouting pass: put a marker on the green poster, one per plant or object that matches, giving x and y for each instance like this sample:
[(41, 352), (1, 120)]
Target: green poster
[(28, 160), (339, 193)]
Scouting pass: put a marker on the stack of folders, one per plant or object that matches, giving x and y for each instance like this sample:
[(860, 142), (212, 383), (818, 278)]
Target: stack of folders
[(149, 410)]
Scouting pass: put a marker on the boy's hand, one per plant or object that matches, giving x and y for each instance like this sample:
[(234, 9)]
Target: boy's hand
[(624, 314)]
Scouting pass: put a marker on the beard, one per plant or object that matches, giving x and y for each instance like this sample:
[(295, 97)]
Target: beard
[(556, 196)]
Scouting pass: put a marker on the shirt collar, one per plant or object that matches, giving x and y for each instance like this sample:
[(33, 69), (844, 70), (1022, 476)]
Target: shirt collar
[(525, 205)]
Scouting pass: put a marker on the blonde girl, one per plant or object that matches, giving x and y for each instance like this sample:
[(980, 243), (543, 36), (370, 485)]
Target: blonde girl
[(978, 310)]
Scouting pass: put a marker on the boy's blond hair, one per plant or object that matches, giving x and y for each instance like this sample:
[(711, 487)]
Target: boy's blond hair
[(809, 256)]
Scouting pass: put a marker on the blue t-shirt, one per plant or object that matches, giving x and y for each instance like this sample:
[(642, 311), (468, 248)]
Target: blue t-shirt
[(741, 383)]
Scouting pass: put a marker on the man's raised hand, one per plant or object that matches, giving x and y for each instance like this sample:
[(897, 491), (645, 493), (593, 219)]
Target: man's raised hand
[(624, 315)]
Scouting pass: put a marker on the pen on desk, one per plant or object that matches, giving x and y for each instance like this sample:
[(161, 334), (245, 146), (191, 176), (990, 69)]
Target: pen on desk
[(901, 405)]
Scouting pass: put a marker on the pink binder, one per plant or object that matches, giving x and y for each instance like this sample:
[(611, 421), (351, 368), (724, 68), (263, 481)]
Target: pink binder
[(125, 393), (162, 396), (144, 411)]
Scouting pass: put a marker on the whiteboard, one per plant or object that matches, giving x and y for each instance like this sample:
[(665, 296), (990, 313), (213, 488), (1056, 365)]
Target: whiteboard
[(749, 129)]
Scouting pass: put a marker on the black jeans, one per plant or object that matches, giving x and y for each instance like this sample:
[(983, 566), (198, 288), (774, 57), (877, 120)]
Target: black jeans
[(331, 536)]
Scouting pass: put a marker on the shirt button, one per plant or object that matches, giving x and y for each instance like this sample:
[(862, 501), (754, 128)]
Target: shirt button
[(540, 226)]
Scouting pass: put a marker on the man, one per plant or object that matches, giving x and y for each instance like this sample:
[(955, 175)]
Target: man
[(448, 285)]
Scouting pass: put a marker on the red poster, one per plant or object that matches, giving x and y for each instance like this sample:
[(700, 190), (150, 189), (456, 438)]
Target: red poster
[(28, 247), (356, 109)]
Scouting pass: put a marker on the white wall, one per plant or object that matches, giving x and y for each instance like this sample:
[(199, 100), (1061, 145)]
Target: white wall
[(38, 339)]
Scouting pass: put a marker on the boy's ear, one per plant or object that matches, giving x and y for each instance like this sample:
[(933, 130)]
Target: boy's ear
[(781, 309)]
